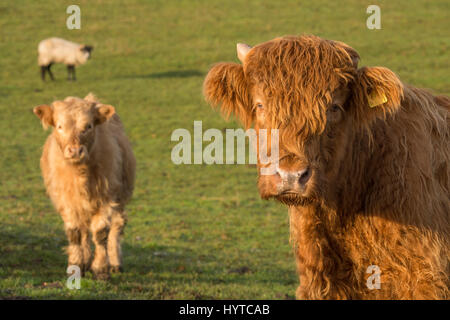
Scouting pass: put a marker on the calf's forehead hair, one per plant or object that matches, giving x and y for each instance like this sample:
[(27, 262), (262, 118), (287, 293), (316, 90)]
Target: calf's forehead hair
[(297, 76), (73, 107)]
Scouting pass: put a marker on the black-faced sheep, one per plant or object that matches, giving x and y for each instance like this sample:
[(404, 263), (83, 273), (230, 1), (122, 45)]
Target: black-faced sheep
[(57, 50)]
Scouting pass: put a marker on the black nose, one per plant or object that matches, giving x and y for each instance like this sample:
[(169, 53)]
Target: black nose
[(305, 176)]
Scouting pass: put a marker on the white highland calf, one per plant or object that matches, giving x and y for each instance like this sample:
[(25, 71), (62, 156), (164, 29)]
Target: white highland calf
[(57, 50)]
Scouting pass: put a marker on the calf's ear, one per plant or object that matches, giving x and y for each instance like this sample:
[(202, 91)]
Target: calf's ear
[(90, 97), (45, 114), (377, 93), (225, 85), (103, 112)]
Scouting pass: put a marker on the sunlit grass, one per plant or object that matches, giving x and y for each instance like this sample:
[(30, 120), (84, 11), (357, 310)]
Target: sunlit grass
[(198, 231)]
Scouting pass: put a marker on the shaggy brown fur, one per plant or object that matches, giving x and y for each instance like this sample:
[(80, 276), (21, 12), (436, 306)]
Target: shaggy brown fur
[(377, 189), (88, 168)]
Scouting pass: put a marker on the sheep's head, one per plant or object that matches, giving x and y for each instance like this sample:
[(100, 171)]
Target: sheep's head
[(87, 50), (75, 123)]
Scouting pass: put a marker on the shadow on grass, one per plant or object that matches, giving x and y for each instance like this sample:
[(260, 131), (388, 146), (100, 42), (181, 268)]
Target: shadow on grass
[(175, 266), (167, 74), (23, 249), (33, 259), (28, 259)]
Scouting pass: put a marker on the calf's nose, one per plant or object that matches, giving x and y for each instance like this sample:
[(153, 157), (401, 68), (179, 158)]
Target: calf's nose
[(75, 151), (291, 178)]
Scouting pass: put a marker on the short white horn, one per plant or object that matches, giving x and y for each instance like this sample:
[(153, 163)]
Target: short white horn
[(242, 50)]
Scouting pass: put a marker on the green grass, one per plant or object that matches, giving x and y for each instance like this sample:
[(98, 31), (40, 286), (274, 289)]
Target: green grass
[(198, 231)]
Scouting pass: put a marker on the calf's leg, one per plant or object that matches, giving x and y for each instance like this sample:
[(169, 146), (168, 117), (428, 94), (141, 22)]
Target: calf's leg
[(78, 250), (100, 226), (86, 248), (118, 222)]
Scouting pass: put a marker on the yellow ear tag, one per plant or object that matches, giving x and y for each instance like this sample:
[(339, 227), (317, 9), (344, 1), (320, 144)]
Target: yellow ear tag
[(376, 100)]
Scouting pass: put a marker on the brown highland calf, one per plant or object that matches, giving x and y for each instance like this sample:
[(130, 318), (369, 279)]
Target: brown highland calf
[(363, 166), (88, 168)]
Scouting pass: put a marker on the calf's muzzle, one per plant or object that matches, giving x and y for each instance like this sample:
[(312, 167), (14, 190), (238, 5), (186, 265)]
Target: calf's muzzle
[(75, 152), (292, 181)]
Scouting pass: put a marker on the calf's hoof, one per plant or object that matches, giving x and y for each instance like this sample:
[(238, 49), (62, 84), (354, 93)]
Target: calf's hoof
[(84, 268), (101, 276), (116, 269)]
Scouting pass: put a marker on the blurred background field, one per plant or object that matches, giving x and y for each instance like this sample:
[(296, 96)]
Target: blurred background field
[(198, 231)]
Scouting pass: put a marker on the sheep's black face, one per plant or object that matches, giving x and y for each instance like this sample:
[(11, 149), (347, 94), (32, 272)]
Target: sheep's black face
[(87, 49)]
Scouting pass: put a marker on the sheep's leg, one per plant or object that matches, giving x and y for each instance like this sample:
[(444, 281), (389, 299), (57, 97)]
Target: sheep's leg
[(100, 229), (43, 70), (118, 222), (71, 71), (50, 71)]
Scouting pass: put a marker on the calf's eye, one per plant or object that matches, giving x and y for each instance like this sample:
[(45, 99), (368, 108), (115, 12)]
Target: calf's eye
[(334, 113), (335, 108), (87, 128), (259, 105)]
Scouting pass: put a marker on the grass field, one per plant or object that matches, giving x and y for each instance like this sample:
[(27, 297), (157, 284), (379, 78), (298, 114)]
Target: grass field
[(195, 231)]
